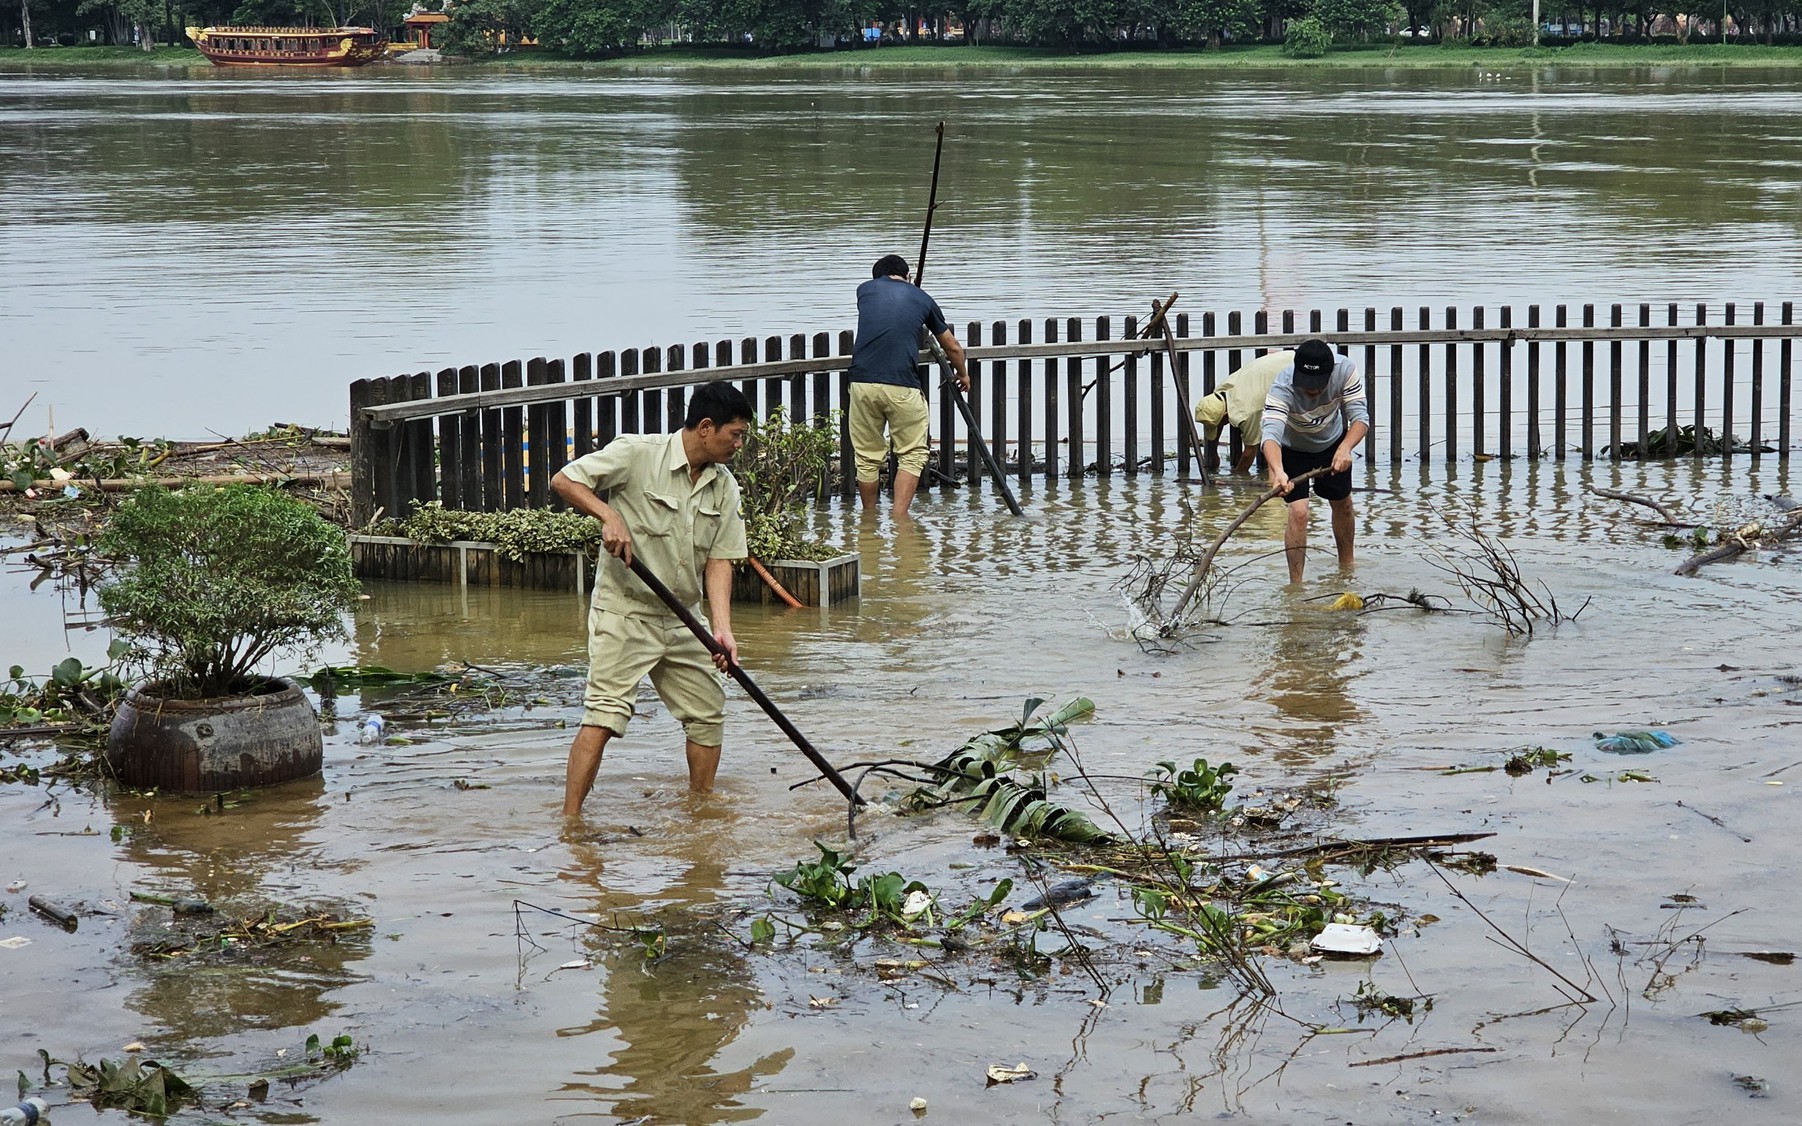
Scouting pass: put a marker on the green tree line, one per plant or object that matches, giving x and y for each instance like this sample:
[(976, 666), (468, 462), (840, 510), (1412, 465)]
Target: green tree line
[(601, 28)]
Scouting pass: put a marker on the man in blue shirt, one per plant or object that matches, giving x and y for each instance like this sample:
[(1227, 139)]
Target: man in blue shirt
[(1314, 418), (888, 394)]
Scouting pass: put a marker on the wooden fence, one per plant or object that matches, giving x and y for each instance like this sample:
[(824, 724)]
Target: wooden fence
[(1063, 397)]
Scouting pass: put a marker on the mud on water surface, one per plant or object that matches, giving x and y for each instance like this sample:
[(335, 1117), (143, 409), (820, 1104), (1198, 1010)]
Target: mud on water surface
[(469, 1002)]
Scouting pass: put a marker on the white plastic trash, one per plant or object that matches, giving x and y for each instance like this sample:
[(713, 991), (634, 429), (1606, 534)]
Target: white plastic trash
[(372, 730), (1348, 940)]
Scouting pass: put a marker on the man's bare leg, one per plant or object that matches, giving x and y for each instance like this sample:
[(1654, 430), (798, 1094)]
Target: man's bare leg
[(866, 494), (1295, 538), (905, 484), (703, 764), (584, 763), (1344, 526)]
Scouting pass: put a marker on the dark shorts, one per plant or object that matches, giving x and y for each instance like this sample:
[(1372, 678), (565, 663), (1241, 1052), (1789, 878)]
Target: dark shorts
[(1332, 486)]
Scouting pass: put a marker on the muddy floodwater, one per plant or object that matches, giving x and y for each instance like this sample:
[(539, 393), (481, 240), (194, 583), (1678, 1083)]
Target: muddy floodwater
[(470, 1004)]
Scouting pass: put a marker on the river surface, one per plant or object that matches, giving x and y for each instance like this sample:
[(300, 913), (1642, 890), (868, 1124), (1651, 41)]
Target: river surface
[(213, 251)]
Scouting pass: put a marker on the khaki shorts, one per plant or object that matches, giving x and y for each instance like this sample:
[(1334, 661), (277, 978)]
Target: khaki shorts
[(624, 648), (902, 410)]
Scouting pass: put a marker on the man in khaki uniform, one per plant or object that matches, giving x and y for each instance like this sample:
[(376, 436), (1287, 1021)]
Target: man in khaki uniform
[(1238, 401), (673, 504)]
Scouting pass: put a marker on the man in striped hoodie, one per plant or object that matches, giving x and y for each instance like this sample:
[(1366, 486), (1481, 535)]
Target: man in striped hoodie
[(1314, 418)]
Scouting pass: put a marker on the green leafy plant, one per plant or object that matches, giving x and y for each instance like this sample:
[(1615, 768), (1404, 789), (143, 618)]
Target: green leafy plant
[(979, 776), (342, 1050), (208, 582), (515, 533), (827, 883), (1200, 787), (141, 1086), (74, 695), (1307, 38), (781, 471)]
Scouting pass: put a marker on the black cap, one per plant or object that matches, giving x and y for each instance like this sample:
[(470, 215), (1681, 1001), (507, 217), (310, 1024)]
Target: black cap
[(1314, 362)]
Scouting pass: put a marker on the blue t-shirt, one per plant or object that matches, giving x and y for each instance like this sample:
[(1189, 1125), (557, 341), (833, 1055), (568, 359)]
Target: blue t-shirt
[(889, 315)]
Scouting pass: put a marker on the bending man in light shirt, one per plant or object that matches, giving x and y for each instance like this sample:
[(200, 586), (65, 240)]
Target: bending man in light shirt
[(1314, 419)]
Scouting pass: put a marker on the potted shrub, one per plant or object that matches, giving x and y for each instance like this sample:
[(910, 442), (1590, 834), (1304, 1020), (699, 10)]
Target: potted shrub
[(207, 584)]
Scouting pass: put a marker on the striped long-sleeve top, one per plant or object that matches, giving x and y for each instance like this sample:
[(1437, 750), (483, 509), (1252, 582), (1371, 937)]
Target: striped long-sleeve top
[(1315, 423)]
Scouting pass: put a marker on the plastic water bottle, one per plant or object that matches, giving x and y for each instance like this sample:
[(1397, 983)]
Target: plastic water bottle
[(372, 730), (26, 1113)]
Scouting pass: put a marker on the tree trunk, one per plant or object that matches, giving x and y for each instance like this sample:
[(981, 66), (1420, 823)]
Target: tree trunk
[(25, 20)]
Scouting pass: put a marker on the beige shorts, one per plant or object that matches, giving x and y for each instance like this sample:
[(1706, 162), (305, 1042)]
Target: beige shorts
[(625, 648), (902, 411)]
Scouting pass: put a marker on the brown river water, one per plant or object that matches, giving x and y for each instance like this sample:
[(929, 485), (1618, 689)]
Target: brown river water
[(465, 1012), (205, 253)]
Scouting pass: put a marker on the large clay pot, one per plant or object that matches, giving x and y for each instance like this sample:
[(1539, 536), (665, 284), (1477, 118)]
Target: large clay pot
[(271, 734)]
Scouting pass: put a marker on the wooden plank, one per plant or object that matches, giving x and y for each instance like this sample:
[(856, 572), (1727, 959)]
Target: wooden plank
[(651, 419), (1479, 399), (469, 380), (630, 420), (1130, 399), (1370, 386), (1160, 390), (748, 372), (368, 449), (1701, 403), (822, 379), (1208, 384), (1727, 359), (1073, 417), (556, 429), (1052, 430), (1533, 446), (772, 354), (997, 375), (1186, 453), (494, 471), (1560, 387), (606, 407), (847, 467), (1783, 384), (1757, 383), (1023, 408), (1451, 389), (1423, 405), (1616, 388), (420, 472), (675, 402), (1395, 388), (513, 438), (538, 443), (1505, 391), (973, 469), (581, 370), (1104, 403), (797, 383), (1645, 383), (450, 445), (1670, 379)]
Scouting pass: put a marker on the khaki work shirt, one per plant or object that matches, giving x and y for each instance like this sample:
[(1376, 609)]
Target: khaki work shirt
[(1244, 392), (676, 527)]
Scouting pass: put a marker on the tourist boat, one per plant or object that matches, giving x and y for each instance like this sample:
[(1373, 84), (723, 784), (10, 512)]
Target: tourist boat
[(289, 46)]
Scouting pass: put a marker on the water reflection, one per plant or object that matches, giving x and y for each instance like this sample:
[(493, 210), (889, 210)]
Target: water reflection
[(666, 1024), (238, 852), (1313, 657)]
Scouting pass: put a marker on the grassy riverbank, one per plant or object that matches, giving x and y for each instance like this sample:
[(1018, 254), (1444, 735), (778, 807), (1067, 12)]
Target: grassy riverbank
[(676, 58)]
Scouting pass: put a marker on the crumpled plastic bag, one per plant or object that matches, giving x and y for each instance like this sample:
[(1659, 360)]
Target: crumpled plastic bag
[(1635, 742)]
